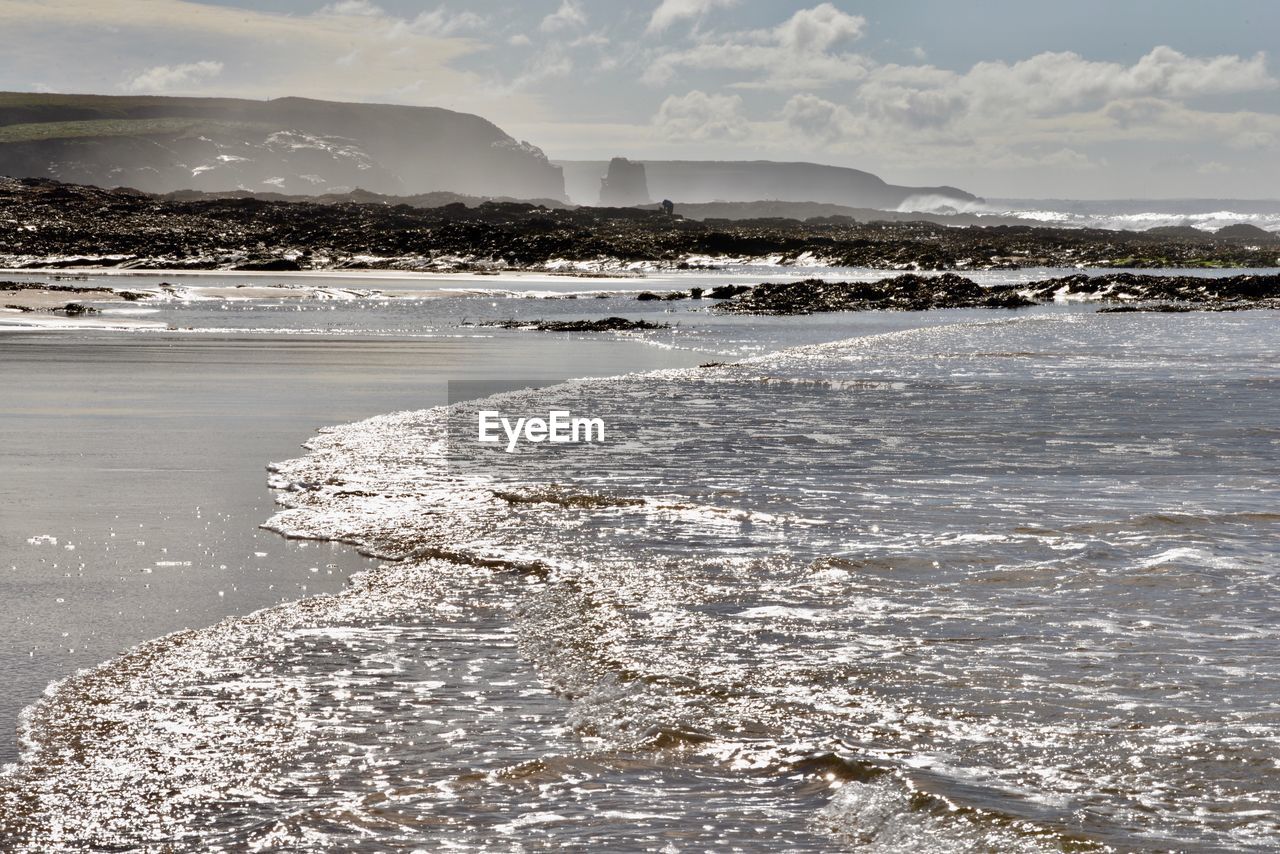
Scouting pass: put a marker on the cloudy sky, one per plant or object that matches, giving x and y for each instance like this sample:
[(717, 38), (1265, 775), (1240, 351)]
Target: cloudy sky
[(1087, 99)]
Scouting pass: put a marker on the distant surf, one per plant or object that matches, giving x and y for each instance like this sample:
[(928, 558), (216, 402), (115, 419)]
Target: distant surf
[(1206, 215)]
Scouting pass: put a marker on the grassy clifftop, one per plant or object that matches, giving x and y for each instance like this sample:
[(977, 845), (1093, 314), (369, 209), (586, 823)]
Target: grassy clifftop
[(38, 131)]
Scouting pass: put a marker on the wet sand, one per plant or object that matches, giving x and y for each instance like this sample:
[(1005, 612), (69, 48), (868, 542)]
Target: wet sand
[(132, 474), (47, 300)]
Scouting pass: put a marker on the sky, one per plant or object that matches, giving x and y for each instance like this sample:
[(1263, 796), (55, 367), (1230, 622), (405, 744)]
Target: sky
[(1086, 99)]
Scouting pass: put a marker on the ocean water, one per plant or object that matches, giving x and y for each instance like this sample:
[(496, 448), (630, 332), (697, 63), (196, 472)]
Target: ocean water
[(1208, 215), (1204, 220), (964, 580)]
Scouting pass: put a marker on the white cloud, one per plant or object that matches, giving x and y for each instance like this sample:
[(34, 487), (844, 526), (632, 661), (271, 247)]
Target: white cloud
[(1251, 139), (815, 119), (597, 40), (360, 8), (166, 78), (828, 97), (798, 53), (1052, 115), (1137, 112), (1163, 121), (911, 97), (442, 22), (671, 11), (1065, 158), (1166, 71), (988, 110), (1046, 86), (264, 54), (568, 16), (1055, 82), (819, 29), (699, 116), (549, 63), (1186, 164)]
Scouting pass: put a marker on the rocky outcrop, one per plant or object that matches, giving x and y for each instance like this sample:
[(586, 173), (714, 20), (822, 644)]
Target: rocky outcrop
[(909, 292), (624, 184), (1183, 231), (1245, 231), (1139, 288), (727, 291), (61, 225), (912, 292), (650, 296), (608, 324), (286, 145)]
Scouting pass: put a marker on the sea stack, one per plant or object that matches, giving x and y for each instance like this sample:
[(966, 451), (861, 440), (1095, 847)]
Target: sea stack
[(624, 185)]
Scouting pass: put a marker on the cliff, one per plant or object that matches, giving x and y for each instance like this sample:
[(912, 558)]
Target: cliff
[(286, 145), (689, 181)]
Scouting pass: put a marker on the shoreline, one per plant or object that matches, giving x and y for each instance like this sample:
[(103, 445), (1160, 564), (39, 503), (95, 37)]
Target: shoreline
[(192, 554), (36, 304), (371, 273), (63, 226), (91, 688)]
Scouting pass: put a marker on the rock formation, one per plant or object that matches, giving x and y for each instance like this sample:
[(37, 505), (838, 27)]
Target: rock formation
[(1245, 231), (624, 185)]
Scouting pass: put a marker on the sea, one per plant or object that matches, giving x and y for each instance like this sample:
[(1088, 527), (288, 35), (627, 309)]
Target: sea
[(959, 580), (1207, 215)]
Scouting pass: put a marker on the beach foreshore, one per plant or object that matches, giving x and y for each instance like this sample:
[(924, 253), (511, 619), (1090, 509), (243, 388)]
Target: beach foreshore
[(53, 305), (22, 296), (42, 301)]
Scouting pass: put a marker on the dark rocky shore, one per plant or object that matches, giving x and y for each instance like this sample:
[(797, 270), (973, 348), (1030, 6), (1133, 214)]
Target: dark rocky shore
[(49, 224), (908, 292), (913, 292), (607, 324)]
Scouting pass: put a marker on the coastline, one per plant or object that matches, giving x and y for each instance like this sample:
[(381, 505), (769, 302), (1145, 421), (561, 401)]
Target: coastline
[(34, 303), (202, 392), (62, 225)]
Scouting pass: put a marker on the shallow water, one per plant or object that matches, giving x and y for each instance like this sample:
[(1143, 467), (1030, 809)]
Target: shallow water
[(132, 478), (973, 580), (131, 464), (1024, 570)]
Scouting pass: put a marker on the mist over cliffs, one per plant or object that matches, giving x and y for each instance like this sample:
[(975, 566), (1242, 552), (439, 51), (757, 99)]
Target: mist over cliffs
[(300, 146), (691, 181), (287, 145)]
